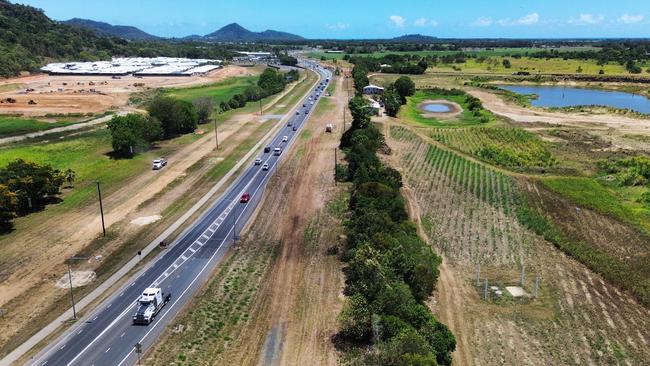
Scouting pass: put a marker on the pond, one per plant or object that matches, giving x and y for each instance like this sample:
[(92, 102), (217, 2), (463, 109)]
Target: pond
[(436, 108), (560, 96)]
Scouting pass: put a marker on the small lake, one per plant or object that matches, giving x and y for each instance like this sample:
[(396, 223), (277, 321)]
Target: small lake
[(560, 96), (436, 108)]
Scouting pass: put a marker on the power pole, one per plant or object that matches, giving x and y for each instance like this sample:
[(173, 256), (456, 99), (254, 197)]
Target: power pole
[(485, 290), (260, 107), (101, 208), (523, 274), (216, 133), (336, 160), (74, 310)]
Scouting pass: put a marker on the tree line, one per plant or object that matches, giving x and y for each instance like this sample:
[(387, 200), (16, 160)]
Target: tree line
[(390, 271), (26, 187), (271, 82), (391, 63)]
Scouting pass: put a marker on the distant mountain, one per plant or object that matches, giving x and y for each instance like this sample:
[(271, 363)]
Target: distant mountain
[(414, 38), (105, 29), (236, 33)]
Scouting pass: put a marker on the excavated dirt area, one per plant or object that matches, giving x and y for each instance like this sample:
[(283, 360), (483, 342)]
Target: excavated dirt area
[(62, 94)]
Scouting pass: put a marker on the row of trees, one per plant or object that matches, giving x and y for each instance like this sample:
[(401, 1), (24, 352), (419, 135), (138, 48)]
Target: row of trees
[(26, 187), (271, 82), (392, 63), (390, 271)]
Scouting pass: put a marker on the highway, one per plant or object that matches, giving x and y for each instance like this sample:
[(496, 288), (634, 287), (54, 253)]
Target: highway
[(106, 336)]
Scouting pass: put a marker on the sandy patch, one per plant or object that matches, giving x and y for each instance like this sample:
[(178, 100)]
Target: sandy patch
[(79, 279), (454, 109), (146, 220)]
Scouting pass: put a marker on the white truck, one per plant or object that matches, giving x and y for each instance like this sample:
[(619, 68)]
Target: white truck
[(150, 303)]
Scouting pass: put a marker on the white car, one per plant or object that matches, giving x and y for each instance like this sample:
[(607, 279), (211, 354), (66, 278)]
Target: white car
[(265, 167), (258, 161), (285, 138), (158, 164)]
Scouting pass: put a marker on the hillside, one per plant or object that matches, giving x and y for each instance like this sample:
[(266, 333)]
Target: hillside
[(414, 38), (27, 37), (105, 29), (235, 32)]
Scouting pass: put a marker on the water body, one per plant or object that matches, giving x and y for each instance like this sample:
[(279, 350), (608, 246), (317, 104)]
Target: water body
[(560, 96), (436, 108)]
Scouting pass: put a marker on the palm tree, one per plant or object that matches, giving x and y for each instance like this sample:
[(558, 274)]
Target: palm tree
[(70, 176)]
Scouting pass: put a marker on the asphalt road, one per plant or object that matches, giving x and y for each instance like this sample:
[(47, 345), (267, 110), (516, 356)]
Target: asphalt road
[(107, 336)]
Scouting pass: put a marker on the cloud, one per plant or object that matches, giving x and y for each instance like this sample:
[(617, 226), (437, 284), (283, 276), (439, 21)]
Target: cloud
[(587, 19), (529, 19), (397, 20), (338, 26), (423, 22), (482, 22), (630, 19)]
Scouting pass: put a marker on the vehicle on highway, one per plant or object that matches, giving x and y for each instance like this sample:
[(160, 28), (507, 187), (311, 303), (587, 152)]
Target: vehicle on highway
[(304, 105), (265, 167), (245, 198), (277, 151), (158, 164), (150, 303), (285, 138), (295, 128), (329, 127), (267, 149), (258, 161), (297, 113), (289, 124), (312, 103)]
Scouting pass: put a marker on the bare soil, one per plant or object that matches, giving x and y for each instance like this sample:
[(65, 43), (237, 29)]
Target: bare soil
[(63, 94)]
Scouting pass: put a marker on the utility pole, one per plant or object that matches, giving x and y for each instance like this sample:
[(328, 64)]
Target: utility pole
[(101, 208), (485, 290), (74, 310), (336, 160), (343, 118), (260, 107), (478, 275), (216, 133)]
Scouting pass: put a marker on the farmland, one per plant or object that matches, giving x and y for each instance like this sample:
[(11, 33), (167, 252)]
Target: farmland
[(469, 212)]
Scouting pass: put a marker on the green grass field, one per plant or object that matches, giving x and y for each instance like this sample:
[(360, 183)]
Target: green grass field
[(494, 64), (612, 201), (12, 126), (218, 92), (411, 113)]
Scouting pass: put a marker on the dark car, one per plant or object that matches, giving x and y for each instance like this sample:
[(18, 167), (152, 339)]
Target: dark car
[(245, 198), (295, 128), (267, 149)]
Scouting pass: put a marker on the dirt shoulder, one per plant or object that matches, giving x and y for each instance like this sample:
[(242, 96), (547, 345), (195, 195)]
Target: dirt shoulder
[(292, 307)]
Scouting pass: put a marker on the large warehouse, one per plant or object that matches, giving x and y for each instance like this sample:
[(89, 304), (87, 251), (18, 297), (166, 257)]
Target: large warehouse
[(139, 66)]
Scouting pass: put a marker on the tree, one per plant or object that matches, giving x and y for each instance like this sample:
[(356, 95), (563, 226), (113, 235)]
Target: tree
[(204, 107), (8, 206), (392, 101), (288, 60), (32, 183), (405, 87), (506, 63), (133, 132), (70, 176), (176, 116)]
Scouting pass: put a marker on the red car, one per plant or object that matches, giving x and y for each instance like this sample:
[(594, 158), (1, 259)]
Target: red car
[(245, 198)]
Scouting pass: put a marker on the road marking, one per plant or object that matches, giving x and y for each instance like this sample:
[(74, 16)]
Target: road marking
[(107, 349), (95, 318), (227, 210), (44, 363), (62, 347), (132, 284), (183, 257), (109, 305), (79, 332), (122, 335), (122, 294)]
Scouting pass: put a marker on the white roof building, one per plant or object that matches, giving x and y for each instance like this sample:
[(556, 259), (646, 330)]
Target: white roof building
[(131, 65), (373, 89)]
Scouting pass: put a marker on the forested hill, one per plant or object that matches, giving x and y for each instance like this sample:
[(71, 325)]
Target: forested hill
[(109, 30), (28, 39)]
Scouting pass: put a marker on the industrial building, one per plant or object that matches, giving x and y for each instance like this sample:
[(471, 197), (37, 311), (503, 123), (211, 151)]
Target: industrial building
[(138, 66)]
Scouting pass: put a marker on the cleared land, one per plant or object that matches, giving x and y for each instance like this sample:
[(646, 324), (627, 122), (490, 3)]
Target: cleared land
[(33, 254), (57, 95)]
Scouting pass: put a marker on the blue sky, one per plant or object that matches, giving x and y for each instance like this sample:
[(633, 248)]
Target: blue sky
[(370, 19)]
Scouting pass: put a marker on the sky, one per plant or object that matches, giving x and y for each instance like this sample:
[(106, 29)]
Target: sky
[(346, 19)]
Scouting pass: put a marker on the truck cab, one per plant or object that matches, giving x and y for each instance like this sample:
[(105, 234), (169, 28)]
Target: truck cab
[(150, 303)]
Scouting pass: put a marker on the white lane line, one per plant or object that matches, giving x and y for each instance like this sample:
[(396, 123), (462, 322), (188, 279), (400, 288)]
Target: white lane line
[(95, 318), (79, 332), (108, 306), (62, 347), (107, 349), (184, 258), (44, 363), (132, 284), (122, 335), (192, 250), (122, 294)]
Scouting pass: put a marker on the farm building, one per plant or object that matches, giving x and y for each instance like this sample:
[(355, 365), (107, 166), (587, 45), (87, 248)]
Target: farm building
[(373, 89)]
